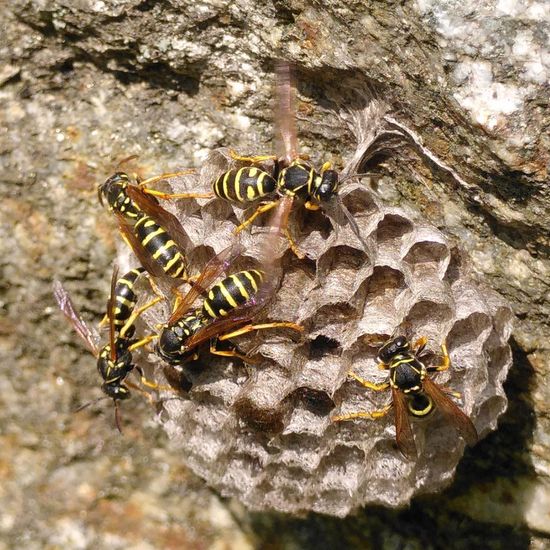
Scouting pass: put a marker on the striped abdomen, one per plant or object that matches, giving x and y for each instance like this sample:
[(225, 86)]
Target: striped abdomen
[(232, 292), (244, 184), (125, 296), (160, 246)]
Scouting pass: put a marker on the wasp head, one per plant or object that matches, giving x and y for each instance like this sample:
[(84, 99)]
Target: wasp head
[(396, 345), (327, 185)]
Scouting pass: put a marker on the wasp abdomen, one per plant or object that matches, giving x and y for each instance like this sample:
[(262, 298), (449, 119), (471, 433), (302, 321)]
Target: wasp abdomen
[(161, 247), (232, 292), (125, 296), (244, 184)]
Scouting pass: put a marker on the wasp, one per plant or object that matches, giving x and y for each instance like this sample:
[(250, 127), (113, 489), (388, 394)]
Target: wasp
[(414, 393), (292, 178), (155, 236), (114, 360), (227, 309)]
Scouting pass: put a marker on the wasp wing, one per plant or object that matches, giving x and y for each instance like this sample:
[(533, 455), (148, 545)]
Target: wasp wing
[(88, 335), (214, 268), (403, 430), (111, 315), (286, 122), (165, 219), (451, 411), (145, 259)]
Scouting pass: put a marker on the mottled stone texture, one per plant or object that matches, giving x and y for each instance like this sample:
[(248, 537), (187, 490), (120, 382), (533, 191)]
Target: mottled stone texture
[(85, 84)]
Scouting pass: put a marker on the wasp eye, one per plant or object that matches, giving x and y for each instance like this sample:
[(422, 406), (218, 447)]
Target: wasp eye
[(401, 342)]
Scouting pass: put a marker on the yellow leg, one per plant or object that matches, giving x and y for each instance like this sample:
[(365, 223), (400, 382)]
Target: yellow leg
[(140, 390), (382, 366), (293, 246), (153, 385), (250, 328), (260, 210), (312, 206), (367, 384), (132, 319), (260, 158), (142, 342), (420, 344), (166, 176), (373, 415), (230, 353), (167, 196), (446, 360), (326, 166)]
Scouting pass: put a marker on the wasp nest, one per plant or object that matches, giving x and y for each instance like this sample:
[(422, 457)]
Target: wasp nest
[(263, 433)]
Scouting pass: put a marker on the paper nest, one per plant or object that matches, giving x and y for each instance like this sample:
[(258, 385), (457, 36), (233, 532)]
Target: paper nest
[(264, 434)]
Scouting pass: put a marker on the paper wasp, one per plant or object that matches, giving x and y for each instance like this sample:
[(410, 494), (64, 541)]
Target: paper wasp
[(227, 310), (114, 360), (155, 236), (292, 178), (414, 393)]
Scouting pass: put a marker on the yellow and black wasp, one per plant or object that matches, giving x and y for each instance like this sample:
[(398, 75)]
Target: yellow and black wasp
[(155, 235), (414, 393), (226, 311), (292, 178), (114, 360)]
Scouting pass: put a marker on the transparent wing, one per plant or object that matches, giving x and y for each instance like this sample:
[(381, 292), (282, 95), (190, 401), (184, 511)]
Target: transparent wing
[(451, 412), (216, 328), (286, 120), (403, 431), (143, 256), (164, 218), (111, 315), (214, 268), (89, 336)]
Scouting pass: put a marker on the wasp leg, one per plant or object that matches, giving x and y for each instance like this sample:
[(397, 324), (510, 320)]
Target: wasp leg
[(141, 390), (373, 415), (446, 360), (260, 210), (229, 353), (166, 176), (142, 342), (150, 384), (312, 206), (369, 385), (383, 366), (253, 160), (250, 328), (293, 246), (132, 319), (167, 196), (419, 345), (326, 166)]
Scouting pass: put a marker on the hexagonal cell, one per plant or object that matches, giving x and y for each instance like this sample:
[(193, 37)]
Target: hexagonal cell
[(392, 229)]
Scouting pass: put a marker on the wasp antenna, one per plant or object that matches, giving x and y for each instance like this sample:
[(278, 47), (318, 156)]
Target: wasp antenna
[(86, 405), (359, 175), (117, 416)]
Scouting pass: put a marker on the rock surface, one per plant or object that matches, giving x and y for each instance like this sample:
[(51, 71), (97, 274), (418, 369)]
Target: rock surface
[(86, 84)]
